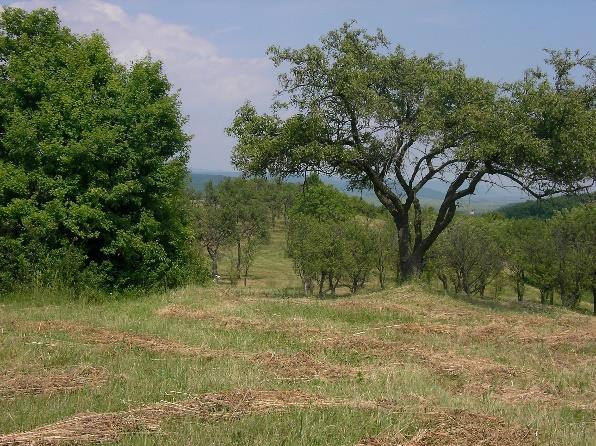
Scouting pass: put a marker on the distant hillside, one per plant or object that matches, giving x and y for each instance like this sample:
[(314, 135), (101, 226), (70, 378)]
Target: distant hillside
[(544, 208), (198, 180), (485, 199)]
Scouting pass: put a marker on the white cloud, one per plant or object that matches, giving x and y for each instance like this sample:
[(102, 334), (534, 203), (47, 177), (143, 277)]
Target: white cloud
[(212, 85)]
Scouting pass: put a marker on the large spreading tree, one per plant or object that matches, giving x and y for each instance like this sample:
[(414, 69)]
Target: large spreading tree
[(391, 121), (92, 161)]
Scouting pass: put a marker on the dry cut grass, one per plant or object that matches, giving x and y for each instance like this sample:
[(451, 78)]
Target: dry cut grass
[(459, 428), (213, 407), (52, 381)]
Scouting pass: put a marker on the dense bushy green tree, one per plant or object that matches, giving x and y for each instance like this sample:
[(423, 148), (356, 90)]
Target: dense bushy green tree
[(391, 121), (330, 243), (384, 249), (92, 161), (468, 255), (541, 259), (574, 234), (518, 241)]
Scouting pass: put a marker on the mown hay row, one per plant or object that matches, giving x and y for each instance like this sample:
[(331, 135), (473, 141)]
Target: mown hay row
[(290, 326), (51, 381), (459, 428), (286, 366), (213, 407)]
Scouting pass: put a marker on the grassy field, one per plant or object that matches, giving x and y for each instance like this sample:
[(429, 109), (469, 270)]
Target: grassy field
[(248, 366)]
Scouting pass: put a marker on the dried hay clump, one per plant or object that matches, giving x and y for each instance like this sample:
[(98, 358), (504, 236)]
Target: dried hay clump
[(573, 337), (51, 382), (301, 366), (453, 364), (293, 326), (109, 336), (102, 427), (534, 394), (460, 428), (365, 346), (150, 343), (224, 321)]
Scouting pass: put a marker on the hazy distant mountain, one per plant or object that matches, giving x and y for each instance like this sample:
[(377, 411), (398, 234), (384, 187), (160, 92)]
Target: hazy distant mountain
[(485, 197)]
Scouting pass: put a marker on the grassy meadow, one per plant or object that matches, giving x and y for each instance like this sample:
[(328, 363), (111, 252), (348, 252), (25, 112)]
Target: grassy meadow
[(260, 365)]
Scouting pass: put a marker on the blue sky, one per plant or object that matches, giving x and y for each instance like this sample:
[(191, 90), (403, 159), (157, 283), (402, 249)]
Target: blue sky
[(214, 51)]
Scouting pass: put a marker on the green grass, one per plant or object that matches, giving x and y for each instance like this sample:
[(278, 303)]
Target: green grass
[(414, 383)]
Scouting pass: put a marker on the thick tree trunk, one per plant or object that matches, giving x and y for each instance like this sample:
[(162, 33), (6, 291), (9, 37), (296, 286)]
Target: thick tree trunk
[(321, 284), (238, 259), (520, 288), (214, 267), (445, 282), (543, 294)]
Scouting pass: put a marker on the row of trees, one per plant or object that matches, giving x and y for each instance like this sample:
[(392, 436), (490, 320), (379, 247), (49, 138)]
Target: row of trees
[(551, 255), (335, 240), (93, 160)]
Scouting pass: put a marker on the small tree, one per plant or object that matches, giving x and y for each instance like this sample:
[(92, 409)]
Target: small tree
[(245, 211), (384, 248), (542, 265), (360, 258), (574, 232), (316, 238), (471, 255), (214, 229), (519, 240)]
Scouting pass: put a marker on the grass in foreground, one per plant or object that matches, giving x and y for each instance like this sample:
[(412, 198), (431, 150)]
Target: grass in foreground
[(233, 366)]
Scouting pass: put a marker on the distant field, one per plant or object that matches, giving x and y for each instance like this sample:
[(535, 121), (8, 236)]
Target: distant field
[(245, 366)]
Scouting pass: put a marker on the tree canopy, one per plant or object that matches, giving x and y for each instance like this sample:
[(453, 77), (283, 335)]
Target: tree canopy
[(92, 159), (392, 121)]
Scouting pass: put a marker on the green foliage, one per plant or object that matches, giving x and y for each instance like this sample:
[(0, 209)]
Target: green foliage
[(237, 212), (322, 201), (468, 255), (574, 234), (392, 122), (545, 208), (328, 241), (92, 161)]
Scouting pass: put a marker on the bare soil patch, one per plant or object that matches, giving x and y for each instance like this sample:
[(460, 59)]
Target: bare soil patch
[(51, 381), (459, 428), (213, 407)]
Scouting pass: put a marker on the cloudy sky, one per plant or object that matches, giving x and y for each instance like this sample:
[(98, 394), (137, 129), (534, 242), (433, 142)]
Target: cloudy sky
[(214, 51)]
